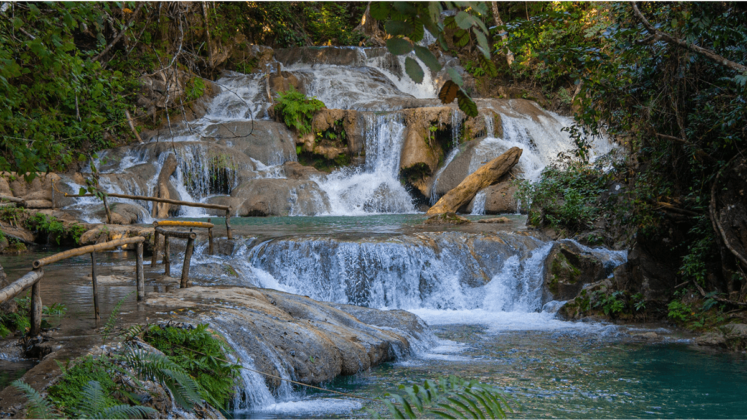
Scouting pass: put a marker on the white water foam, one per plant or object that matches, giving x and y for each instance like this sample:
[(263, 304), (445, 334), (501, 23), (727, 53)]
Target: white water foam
[(478, 205), (376, 187)]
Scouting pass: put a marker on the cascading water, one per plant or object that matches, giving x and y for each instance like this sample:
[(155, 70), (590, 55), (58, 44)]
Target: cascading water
[(478, 205), (374, 188)]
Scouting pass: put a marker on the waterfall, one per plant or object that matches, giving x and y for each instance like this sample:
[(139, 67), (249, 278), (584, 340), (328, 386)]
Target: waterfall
[(478, 205), (376, 187), (452, 154)]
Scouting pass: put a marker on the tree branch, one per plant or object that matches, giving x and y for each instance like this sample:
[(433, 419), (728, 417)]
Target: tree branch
[(717, 223), (692, 47), (121, 34)]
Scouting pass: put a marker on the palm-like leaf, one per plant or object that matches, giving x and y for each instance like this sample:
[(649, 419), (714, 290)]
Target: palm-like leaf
[(448, 398), (93, 406), (39, 407), (183, 387)]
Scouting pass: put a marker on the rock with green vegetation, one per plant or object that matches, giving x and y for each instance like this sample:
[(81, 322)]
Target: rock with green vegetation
[(313, 340), (568, 268)]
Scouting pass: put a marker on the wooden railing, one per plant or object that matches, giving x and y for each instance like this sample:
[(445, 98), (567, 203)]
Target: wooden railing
[(34, 277), (190, 237), (227, 209)]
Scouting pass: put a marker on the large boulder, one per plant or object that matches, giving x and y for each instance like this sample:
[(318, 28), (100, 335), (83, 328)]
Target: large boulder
[(313, 340), (269, 142), (422, 150), (123, 213), (499, 199), (482, 178), (294, 170), (281, 197), (568, 268)]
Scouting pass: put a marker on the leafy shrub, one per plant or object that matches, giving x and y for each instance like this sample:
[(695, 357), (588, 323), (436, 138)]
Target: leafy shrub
[(67, 394), (564, 197), (679, 311), (200, 354), (50, 225), (297, 110)]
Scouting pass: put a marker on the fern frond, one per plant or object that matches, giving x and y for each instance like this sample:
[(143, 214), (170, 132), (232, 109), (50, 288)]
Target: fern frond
[(38, 407), (448, 398), (126, 412), (92, 400), (183, 387), (113, 316), (132, 332)]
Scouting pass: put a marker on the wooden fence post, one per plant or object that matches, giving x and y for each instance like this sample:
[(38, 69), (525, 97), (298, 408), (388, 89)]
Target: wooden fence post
[(108, 213), (187, 258), (139, 273), (154, 260), (166, 255), (228, 223), (210, 240), (36, 309), (95, 287)]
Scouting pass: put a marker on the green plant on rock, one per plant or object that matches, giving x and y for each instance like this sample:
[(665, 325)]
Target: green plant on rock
[(449, 398), (297, 110), (200, 353), (38, 406)]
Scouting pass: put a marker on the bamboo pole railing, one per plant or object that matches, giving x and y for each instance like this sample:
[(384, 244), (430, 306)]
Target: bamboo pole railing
[(227, 209), (190, 237), (179, 223), (33, 278)]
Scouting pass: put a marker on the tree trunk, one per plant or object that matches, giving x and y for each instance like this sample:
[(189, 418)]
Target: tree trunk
[(504, 35)]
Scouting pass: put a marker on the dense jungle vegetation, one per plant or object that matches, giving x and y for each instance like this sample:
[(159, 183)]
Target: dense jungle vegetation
[(666, 81)]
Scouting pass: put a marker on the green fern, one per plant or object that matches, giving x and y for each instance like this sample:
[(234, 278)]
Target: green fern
[(297, 110), (183, 387), (39, 407), (93, 406), (452, 398), (113, 316), (132, 332)]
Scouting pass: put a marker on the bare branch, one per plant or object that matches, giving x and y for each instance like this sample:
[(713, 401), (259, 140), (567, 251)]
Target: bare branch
[(692, 47), (121, 34)]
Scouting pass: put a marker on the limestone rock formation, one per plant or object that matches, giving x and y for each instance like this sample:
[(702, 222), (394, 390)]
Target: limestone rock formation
[(294, 170), (499, 199), (449, 218), (161, 210), (280, 197), (312, 339), (482, 178), (421, 151), (568, 268)]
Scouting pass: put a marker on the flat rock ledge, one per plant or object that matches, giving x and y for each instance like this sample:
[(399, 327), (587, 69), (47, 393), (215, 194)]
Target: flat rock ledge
[(287, 334)]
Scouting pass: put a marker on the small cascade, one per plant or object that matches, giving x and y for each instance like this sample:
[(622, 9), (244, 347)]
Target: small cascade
[(452, 154), (456, 128), (374, 188), (478, 205), (489, 129)]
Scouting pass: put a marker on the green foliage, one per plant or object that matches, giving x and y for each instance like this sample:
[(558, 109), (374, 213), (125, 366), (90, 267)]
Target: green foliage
[(93, 405), (54, 100), (67, 394), (565, 197), (112, 321), (185, 390), (639, 302), (407, 22), (297, 110), (611, 303), (38, 406), (50, 225), (195, 88), (200, 353), (679, 311), (450, 397)]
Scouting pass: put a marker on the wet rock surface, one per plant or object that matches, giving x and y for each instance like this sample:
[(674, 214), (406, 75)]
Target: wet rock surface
[(291, 334)]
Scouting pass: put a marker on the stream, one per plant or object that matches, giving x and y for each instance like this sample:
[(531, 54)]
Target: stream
[(356, 236)]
